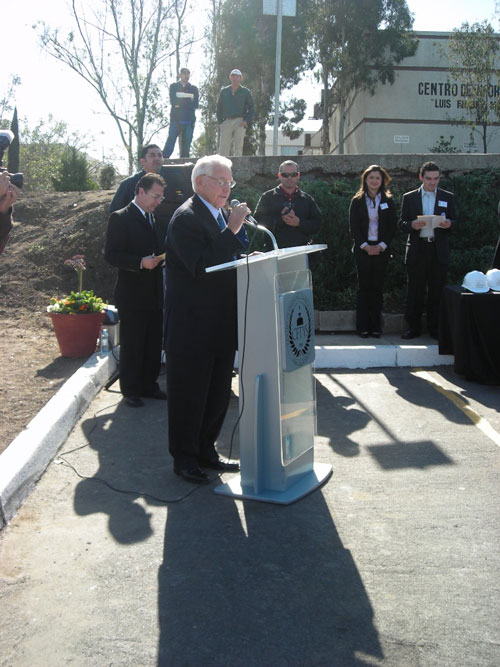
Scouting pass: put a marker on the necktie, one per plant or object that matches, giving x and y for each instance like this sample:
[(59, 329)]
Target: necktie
[(221, 221)]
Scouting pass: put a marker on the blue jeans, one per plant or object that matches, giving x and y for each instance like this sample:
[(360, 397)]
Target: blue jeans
[(182, 130)]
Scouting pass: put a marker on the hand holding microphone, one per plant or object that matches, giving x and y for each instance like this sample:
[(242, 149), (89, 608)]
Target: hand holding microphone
[(237, 215), (250, 220), (248, 217)]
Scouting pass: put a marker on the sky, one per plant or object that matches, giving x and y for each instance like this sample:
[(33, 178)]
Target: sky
[(48, 86)]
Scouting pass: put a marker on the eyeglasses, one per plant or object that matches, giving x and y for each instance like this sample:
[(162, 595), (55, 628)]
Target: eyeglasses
[(290, 174), (222, 181), (158, 198)]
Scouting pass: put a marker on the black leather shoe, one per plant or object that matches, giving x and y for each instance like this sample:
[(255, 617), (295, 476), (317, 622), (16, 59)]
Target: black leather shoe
[(410, 333), (219, 464), (158, 394), (194, 474), (364, 334), (376, 334), (133, 401)]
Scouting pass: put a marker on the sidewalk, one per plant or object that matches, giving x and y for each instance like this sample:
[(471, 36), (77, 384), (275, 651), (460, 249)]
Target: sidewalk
[(28, 455), (113, 560)]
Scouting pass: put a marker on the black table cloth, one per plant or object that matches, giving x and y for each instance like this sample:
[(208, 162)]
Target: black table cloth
[(469, 328)]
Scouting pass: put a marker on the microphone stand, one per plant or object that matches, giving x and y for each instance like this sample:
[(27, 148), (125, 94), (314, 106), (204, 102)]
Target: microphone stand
[(263, 229)]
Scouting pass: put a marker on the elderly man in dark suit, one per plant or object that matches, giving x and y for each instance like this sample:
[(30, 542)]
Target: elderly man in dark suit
[(201, 318), (427, 250), (132, 246)]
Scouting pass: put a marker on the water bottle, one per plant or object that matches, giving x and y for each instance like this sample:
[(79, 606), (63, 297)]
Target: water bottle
[(104, 341)]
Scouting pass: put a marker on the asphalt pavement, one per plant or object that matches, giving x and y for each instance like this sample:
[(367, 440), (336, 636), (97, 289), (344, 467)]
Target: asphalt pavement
[(113, 560)]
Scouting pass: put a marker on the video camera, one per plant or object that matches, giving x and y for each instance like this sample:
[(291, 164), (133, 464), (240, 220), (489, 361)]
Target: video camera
[(6, 138)]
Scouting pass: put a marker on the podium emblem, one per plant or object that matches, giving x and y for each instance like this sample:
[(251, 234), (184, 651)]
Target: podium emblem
[(297, 329)]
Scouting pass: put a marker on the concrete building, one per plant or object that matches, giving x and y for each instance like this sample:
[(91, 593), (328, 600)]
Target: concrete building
[(411, 115), (304, 145)]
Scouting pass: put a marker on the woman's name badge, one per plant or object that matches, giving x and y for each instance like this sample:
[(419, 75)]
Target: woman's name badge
[(384, 205)]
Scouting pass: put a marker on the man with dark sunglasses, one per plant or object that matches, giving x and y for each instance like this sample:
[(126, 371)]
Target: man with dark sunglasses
[(289, 213)]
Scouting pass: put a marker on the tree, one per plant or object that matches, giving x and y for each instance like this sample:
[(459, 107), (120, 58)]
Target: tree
[(209, 90), (42, 149), (7, 101), (73, 173), (121, 49), (473, 56), (13, 162), (354, 46), (246, 39), (107, 177)]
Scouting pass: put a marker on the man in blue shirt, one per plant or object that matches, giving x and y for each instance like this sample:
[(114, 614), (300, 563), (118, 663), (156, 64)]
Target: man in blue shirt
[(184, 99)]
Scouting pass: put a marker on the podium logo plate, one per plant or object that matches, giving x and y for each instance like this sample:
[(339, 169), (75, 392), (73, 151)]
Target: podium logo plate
[(297, 329)]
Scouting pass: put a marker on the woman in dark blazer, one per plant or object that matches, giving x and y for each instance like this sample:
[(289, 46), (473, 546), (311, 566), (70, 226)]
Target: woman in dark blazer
[(372, 224)]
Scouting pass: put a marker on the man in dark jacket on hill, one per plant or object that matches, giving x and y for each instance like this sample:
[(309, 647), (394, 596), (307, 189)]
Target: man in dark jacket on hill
[(184, 102)]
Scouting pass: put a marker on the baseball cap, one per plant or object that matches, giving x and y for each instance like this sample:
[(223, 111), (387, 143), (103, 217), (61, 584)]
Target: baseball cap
[(475, 281), (236, 71)]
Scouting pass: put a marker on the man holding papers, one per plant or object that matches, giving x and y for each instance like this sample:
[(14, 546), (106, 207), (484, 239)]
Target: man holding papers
[(184, 102), (428, 214)]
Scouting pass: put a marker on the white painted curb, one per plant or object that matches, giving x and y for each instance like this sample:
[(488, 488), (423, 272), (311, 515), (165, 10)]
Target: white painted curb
[(379, 356), (27, 456)]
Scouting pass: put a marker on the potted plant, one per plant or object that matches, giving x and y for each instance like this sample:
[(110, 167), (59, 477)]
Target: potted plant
[(77, 318)]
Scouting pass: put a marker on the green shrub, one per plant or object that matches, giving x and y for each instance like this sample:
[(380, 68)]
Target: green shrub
[(334, 275)]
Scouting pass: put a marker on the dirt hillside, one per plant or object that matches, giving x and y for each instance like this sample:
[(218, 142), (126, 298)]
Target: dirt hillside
[(48, 229)]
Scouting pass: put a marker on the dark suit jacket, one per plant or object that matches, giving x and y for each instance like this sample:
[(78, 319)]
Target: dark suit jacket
[(129, 238), (358, 221), (200, 308), (412, 207), (268, 213)]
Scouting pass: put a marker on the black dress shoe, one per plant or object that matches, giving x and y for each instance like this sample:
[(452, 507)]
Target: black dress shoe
[(376, 334), (133, 401), (219, 464), (410, 333), (158, 394), (192, 474), (364, 334)]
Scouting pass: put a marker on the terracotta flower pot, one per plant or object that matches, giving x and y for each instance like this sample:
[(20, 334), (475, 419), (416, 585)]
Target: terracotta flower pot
[(77, 334)]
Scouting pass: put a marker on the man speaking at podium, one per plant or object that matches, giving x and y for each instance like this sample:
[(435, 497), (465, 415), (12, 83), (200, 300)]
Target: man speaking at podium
[(201, 318)]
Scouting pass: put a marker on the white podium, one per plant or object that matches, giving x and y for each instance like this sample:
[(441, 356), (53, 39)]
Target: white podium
[(277, 397)]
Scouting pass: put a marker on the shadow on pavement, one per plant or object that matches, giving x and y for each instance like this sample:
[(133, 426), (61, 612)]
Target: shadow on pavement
[(344, 412), (133, 458), (246, 583)]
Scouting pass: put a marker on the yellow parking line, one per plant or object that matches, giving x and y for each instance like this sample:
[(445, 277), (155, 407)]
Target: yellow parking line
[(480, 422)]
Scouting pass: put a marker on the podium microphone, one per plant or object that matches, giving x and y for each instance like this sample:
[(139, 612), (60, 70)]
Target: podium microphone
[(250, 220)]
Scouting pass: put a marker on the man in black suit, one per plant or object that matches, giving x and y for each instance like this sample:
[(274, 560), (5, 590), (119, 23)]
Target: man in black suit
[(427, 250), (201, 318), (132, 246)]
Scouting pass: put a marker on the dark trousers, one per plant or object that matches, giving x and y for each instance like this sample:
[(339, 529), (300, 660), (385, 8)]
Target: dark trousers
[(185, 132), (426, 274), (371, 274), (140, 350), (199, 389)]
